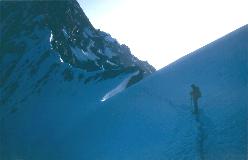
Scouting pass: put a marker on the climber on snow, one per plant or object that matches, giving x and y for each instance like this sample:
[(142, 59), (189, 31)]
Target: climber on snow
[(195, 95)]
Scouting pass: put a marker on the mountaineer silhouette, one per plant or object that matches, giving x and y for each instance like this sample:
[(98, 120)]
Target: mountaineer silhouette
[(195, 95)]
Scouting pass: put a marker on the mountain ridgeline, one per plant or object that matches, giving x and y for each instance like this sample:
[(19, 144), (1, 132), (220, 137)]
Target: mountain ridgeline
[(41, 38), (58, 76)]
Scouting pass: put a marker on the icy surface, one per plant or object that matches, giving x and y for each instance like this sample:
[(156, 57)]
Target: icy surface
[(61, 60), (63, 118), (65, 33), (111, 63), (50, 39), (121, 87), (154, 120)]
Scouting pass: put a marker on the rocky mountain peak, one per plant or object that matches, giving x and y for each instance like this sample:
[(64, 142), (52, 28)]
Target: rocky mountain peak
[(40, 39)]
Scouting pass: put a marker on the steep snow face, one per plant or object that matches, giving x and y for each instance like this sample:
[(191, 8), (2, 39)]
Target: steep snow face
[(151, 120), (154, 120), (50, 99)]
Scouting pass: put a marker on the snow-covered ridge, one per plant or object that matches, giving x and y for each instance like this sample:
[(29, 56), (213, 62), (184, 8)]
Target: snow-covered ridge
[(151, 120), (154, 118), (45, 44), (56, 68), (38, 35)]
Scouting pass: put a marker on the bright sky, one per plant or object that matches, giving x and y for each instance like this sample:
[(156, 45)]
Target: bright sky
[(161, 31)]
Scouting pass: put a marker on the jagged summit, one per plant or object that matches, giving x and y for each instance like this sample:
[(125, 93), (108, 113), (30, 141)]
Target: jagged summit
[(70, 33), (42, 39)]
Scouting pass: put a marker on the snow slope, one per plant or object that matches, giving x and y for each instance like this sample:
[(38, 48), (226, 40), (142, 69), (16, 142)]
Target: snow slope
[(153, 119), (51, 111)]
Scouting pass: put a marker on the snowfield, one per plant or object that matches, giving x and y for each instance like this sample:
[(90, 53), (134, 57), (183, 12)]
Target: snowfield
[(154, 120), (151, 120), (56, 111)]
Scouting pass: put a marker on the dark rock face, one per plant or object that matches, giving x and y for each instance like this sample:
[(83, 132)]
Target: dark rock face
[(42, 39), (55, 67), (72, 36)]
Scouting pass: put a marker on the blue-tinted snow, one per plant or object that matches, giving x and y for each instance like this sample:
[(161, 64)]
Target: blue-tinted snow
[(151, 120), (65, 33), (121, 87)]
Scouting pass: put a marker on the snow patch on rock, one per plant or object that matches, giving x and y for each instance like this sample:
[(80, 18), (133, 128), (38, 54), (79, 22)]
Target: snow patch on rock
[(119, 88)]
